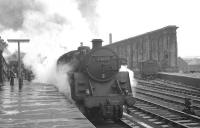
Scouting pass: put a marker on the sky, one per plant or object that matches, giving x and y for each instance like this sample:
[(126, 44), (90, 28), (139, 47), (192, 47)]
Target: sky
[(57, 26)]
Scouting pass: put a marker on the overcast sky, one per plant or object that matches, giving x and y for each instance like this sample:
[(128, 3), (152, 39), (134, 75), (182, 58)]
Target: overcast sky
[(55, 24)]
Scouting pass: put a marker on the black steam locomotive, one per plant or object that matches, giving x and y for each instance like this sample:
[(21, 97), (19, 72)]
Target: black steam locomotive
[(97, 86)]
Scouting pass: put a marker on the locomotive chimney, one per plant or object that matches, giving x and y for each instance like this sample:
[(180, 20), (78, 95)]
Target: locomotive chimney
[(96, 43), (110, 38)]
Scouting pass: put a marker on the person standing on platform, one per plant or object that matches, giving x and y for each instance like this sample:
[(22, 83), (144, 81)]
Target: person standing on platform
[(12, 76)]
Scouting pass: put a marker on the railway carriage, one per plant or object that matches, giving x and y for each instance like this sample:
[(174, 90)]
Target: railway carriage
[(148, 69)]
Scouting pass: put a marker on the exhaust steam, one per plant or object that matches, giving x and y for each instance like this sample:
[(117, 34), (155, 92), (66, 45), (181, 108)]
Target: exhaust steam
[(131, 75)]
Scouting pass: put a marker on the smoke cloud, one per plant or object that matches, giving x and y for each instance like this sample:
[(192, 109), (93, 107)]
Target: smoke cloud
[(12, 12), (53, 28), (88, 11)]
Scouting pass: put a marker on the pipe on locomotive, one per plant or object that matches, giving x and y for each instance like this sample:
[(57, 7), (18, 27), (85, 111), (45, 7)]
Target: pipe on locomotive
[(96, 43)]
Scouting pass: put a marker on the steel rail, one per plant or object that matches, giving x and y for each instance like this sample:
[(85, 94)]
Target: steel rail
[(152, 93), (165, 87), (161, 81), (192, 117), (170, 117)]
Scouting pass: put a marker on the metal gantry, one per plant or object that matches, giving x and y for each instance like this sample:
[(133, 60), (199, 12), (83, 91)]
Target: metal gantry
[(19, 61)]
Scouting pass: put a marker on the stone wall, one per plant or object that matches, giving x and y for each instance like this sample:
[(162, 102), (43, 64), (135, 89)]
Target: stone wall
[(159, 45)]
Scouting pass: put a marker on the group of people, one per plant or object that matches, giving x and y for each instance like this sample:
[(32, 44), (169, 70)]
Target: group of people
[(12, 75)]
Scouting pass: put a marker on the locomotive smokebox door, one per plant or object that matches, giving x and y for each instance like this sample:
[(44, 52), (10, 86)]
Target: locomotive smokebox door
[(102, 64)]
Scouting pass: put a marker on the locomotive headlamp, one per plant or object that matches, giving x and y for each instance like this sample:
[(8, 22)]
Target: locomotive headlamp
[(126, 92), (87, 91), (103, 76)]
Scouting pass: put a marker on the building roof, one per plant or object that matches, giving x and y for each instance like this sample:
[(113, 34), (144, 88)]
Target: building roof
[(147, 33)]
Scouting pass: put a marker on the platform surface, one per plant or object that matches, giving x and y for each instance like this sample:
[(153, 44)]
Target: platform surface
[(38, 106)]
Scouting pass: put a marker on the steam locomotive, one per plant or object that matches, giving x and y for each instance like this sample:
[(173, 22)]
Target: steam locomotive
[(98, 88)]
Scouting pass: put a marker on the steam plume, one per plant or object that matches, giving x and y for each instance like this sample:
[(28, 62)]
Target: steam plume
[(12, 12), (59, 77), (52, 28), (88, 11), (132, 79)]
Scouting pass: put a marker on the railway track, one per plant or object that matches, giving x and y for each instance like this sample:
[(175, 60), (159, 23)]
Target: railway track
[(158, 116), (145, 114), (161, 81), (173, 97), (111, 124), (127, 121), (171, 88), (168, 97), (169, 93)]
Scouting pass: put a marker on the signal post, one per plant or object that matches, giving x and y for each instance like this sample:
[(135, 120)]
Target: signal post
[(20, 80)]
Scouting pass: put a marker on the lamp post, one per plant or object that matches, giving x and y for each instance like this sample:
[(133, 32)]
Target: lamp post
[(20, 80)]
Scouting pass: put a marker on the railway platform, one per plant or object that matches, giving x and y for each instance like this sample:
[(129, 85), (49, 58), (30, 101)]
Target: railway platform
[(38, 105)]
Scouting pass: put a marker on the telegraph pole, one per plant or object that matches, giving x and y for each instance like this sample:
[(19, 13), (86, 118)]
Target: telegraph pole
[(20, 80)]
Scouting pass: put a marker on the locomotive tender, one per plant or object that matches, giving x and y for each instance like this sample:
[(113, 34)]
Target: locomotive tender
[(98, 88)]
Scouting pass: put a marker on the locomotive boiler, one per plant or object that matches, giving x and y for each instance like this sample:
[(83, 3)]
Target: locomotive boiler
[(98, 88)]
